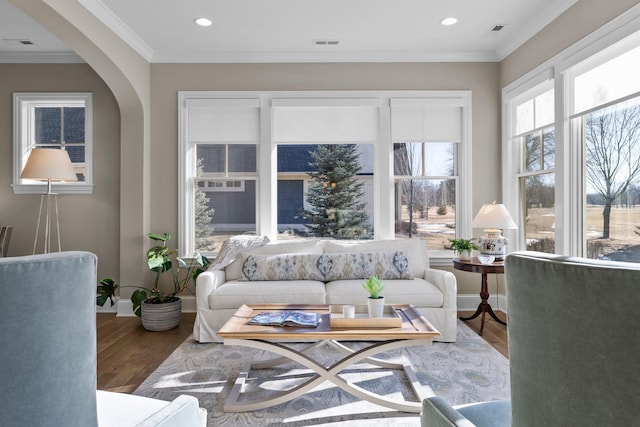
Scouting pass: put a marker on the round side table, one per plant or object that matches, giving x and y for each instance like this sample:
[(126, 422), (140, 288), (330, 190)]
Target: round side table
[(475, 266)]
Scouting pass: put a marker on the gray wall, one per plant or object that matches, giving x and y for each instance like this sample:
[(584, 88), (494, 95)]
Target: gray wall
[(87, 222)]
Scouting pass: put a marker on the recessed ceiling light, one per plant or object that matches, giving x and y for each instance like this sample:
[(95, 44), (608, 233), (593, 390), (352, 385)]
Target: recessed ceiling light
[(203, 22), (449, 21)]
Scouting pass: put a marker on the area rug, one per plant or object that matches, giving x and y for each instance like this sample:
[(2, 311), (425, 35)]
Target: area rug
[(467, 371)]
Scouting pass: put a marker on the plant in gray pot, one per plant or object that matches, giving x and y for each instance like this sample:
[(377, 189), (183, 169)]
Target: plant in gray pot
[(375, 303), (159, 310)]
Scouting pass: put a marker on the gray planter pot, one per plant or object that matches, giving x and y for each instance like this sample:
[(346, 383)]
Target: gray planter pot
[(161, 317)]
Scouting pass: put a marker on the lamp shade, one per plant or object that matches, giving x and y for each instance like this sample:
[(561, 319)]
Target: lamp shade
[(49, 164), (493, 216)]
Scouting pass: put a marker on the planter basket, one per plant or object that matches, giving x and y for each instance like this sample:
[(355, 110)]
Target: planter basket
[(161, 317)]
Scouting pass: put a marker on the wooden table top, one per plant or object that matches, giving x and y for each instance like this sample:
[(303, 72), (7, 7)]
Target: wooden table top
[(414, 325), (475, 266)]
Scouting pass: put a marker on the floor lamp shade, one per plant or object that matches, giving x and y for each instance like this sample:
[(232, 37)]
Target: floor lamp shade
[(493, 218), (48, 164)]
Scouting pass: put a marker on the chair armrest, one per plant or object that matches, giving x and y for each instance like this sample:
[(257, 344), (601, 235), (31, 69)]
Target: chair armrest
[(183, 411), (206, 283), (446, 282), (438, 413)]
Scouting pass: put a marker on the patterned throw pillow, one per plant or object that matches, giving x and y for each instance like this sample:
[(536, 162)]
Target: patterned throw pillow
[(326, 267)]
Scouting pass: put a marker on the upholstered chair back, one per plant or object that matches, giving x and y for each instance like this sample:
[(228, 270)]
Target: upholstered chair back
[(574, 346), (48, 340)]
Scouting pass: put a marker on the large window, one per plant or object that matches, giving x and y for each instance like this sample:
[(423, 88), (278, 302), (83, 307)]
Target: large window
[(347, 165), (53, 120), (534, 146), (571, 150), (606, 129)]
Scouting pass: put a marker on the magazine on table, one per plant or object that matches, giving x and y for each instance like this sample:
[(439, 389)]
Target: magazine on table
[(286, 318)]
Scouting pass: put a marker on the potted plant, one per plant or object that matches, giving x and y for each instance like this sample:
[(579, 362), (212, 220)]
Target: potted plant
[(375, 303), (159, 310), (463, 247)]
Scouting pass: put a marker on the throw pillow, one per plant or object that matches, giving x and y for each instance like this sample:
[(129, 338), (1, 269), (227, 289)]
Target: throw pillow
[(326, 267)]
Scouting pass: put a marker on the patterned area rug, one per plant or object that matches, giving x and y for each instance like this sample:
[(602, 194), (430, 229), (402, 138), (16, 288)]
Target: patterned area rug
[(466, 371)]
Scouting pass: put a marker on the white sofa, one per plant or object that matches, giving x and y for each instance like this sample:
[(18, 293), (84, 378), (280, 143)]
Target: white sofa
[(219, 292)]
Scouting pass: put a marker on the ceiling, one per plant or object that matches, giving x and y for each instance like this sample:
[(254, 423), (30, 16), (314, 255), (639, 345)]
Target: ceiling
[(287, 30)]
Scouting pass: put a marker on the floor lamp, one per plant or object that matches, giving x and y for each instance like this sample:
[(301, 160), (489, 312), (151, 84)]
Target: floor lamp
[(48, 164)]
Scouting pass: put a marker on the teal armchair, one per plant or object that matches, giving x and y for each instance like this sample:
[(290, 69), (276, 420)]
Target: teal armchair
[(48, 352), (574, 350)]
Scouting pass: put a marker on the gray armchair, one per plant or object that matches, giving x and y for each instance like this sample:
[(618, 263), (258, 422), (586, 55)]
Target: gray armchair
[(573, 347), (48, 357)]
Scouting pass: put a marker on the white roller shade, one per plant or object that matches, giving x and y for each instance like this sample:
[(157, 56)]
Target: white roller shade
[(223, 120), (424, 120), (325, 120)]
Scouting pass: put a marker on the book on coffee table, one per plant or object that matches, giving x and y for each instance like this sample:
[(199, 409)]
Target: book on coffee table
[(286, 318)]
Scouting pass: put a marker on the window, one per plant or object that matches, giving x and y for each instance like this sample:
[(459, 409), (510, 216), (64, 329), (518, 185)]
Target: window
[(534, 145), (426, 134), (605, 128), (571, 150), (293, 165), (50, 120)]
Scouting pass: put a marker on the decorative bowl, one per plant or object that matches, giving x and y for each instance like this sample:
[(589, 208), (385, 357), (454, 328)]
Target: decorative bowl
[(486, 259)]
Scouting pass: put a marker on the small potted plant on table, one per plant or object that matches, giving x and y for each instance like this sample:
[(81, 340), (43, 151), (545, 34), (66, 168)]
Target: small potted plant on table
[(375, 302), (463, 248)]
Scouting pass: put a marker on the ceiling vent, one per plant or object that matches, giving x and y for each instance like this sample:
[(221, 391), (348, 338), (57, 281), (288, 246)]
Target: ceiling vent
[(497, 28), (25, 42), (326, 42)]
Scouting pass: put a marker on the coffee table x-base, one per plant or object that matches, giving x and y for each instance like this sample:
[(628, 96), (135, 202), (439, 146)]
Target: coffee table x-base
[(415, 330)]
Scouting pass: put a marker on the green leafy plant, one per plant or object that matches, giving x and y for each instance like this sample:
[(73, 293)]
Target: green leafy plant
[(463, 245), (159, 260), (374, 286)]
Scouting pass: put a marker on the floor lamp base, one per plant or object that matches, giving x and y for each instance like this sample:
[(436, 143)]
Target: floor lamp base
[(48, 201)]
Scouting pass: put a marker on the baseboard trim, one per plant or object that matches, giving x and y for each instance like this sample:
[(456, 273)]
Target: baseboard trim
[(469, 302)]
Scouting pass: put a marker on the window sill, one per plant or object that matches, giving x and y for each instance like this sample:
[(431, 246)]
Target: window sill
[(55, 188)]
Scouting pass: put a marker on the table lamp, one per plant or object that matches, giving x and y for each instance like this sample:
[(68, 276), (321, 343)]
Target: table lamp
[(493, 218), (48, 164)]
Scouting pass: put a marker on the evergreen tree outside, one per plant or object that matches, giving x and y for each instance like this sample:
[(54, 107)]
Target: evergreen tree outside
[(335, 195), (203, 214)]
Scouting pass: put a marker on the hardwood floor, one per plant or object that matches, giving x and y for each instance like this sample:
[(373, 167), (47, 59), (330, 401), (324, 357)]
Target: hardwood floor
[(127, 353)]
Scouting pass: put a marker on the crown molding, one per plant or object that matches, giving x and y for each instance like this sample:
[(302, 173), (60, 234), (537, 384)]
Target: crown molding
[(529, 30), (115, 24)]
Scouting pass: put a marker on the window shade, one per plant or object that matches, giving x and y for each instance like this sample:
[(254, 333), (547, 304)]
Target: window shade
[(424, 120), (325, 120), (223, 120)]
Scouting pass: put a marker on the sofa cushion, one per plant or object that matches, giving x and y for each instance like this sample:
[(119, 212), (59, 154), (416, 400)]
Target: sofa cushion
[(326, 267), (415, 249), (234, 270), (418, 292), (234, 293)]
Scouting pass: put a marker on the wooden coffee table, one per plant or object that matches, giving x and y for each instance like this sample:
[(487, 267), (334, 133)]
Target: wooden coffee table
[(415, 330)]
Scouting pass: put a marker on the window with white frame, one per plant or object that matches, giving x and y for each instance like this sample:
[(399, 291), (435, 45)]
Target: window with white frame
[(53, 120), (267, 162), (426, 134), (533, 142), (585, 151), (605, 129)]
